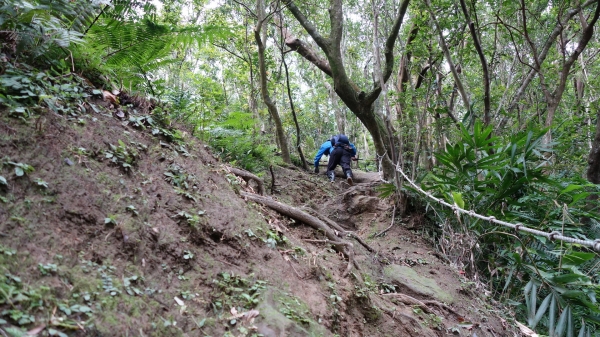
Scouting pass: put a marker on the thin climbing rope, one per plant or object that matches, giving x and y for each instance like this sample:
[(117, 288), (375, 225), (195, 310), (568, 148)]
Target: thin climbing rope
[(555, 235)]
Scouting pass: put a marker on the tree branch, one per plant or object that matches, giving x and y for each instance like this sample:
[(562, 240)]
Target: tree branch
[(307, 25), (389, 52), (446, 51), (558, 28), (309, 54), (585, 38)]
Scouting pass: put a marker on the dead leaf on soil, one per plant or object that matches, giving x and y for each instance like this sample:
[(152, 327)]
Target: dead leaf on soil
[(120, 114), (233, 311), (179, 301), (36, 330), (108, 96), (250, 315), (526, 331)]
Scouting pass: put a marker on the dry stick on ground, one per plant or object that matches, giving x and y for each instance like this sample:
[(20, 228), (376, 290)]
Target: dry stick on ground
[(392, 224), (341, 245), (247, 175)]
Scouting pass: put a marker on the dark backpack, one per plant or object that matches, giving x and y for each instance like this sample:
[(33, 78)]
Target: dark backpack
[(334, 140)]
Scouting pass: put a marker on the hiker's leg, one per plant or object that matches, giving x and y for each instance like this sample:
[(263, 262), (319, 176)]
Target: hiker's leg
[(334, 159), (345, 163)]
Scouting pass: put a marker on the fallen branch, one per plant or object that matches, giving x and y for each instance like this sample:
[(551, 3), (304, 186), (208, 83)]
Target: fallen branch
[(247, 176), (342, 246)]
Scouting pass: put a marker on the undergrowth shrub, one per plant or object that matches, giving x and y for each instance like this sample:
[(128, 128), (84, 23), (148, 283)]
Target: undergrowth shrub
[(241, 149), (511, 180)]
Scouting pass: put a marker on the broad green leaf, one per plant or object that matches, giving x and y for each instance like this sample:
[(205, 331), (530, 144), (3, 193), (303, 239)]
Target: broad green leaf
[(571, 187), (577, 258), (570, 279), (458, 200)]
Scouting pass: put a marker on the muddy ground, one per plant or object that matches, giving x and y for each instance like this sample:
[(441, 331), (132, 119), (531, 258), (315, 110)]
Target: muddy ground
[(121, 232)]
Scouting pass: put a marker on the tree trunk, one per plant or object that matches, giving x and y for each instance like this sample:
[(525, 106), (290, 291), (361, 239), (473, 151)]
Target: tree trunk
[(260, 41), (358, 101), (593, 171)]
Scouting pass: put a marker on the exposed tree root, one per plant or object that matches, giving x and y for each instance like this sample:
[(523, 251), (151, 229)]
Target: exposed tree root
[(423, 305), (342, 246), (442, 306), (409, 300), (247, 176), (340, 229)]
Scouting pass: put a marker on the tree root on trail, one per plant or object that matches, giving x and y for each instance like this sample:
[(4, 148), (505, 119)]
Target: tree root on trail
[(342, 246), (409, 300), (247, 176), (442, 306), (340, 229), (423, 305)]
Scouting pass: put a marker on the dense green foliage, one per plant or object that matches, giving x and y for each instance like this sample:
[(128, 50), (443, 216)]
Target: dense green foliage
[(508, 179)]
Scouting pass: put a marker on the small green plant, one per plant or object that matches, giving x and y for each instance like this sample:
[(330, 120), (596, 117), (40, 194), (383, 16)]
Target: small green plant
[(132, 210), (7, 251), (192, 220), (107, 285), (21, 169), (122, 155), (111, 220), (273, 238), (178, 177), (187, 255), (129, 285), (47, 269), (235, 291), (186, 194), (41, 182)]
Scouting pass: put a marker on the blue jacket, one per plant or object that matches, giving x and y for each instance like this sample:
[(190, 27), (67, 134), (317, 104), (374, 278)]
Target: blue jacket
[(326, 149)]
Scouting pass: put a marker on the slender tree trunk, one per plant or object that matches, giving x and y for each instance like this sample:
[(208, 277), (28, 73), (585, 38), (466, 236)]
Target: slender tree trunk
[(260, 38), (289, 92), (484, 65)]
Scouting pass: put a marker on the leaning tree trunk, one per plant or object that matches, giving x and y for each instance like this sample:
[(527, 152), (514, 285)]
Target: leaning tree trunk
[(358, 101)]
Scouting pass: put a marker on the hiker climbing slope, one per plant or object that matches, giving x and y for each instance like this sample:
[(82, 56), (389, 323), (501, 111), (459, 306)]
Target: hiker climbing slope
[(343, 152)]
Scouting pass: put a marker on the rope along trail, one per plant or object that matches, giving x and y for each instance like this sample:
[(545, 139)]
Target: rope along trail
[(595, 244)]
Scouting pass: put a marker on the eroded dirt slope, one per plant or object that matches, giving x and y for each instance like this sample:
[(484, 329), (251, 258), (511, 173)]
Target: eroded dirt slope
[(119, 231)]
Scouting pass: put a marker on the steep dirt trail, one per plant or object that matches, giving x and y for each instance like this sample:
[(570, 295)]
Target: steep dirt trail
[(167, 246)]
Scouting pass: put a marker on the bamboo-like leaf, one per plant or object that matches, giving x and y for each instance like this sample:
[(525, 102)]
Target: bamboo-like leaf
[(570, 324), (582, 330), (541, 311), (552, 318), (508, 279), (561, 326)]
